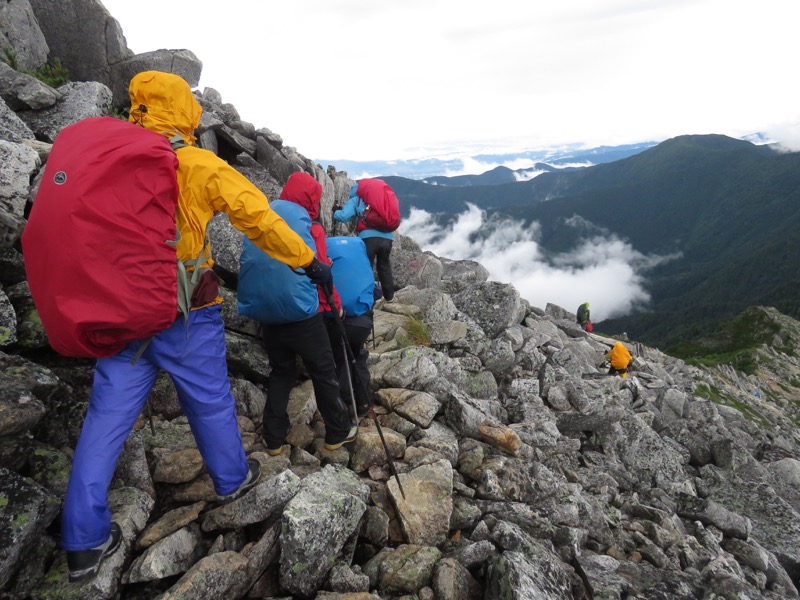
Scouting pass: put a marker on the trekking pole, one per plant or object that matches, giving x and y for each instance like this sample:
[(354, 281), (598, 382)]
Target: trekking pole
[(352, 360), (150, 416), (350, 382)]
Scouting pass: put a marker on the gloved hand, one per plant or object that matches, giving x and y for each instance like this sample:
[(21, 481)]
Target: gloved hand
[(320, 274)]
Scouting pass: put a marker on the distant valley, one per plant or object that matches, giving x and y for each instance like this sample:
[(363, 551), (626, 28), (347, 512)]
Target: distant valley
[(728, 210)]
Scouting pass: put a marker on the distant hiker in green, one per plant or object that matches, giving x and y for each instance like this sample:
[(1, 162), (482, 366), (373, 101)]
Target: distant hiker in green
[(584, 317)]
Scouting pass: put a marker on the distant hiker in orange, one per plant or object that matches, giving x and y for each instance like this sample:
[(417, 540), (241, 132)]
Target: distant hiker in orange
[(620, 359), (375, 205), (192, 350)]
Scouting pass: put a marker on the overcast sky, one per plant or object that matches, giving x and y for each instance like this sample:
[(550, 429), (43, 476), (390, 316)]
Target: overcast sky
[(402, 79)]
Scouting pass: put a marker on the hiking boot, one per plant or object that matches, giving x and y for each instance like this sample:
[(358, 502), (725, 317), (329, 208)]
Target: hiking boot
[(274, 451), (253, 473), (351, 435), (84, 564)]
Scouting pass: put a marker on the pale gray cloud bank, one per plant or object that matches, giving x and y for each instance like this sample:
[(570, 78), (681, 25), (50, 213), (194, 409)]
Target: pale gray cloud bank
[(398, 79), (603, 270)]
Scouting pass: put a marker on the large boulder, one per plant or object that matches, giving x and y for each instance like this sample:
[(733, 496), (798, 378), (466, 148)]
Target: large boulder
[(101, 41), (20, 35)]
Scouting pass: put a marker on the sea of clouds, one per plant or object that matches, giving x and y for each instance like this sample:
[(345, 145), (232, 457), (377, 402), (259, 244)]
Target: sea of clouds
[(603, 270)]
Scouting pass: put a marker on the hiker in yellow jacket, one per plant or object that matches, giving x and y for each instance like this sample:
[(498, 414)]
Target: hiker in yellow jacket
[(192, 350), (620, 358)]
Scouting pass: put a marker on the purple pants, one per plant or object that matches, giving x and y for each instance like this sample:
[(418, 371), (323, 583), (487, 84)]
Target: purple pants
[(195, 360)]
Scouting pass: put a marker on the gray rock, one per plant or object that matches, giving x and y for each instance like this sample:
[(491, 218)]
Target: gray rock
[(78, 101), (12, 128), (21, 91), (101, 41), (121, 71), (20, 34)]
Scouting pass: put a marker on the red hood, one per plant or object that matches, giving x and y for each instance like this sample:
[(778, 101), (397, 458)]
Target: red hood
[(303, 189)]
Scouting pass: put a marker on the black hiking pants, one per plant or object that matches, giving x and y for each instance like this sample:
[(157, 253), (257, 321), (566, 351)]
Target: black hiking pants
[(357, 330), (307, 339), (378, 251)]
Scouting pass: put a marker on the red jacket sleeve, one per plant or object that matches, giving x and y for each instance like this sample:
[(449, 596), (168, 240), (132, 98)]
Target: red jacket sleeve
[(318, 233)]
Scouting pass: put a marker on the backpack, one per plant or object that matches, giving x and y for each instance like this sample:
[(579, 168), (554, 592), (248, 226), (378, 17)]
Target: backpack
[(269, 291), (589, 328), (382, 210), (99, 245), (352, 274)]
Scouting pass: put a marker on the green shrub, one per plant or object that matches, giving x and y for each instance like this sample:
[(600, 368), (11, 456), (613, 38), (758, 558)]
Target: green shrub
[(53, 75), (418, 334), (10, 57)]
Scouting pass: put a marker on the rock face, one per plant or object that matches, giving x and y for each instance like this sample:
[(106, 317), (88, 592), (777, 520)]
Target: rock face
[(526, 472)]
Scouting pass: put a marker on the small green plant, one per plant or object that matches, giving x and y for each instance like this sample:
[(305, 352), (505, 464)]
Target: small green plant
[(417, 331), (10, 57), (117, 113), (53, 75)]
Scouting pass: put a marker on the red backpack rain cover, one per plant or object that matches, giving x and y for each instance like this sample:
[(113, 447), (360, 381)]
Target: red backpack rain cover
[(99, 267), (383, 209)]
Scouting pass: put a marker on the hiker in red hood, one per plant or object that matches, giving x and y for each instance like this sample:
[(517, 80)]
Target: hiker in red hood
[(304, 336), (303, 189)]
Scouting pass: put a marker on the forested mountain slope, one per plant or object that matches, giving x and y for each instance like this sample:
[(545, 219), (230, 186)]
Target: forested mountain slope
[(728, 209)]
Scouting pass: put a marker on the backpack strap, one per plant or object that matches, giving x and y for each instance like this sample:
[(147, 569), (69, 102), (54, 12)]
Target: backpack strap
[(176, 141), (186, 284)]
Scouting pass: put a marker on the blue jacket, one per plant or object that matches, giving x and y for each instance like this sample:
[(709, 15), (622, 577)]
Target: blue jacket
[(354, 208)]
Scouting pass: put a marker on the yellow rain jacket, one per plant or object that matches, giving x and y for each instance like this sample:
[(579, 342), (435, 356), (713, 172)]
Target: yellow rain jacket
[(164, 103), (619, 356)]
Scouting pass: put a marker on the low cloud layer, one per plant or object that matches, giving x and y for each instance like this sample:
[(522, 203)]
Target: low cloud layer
[(786, 135), (603, 270)]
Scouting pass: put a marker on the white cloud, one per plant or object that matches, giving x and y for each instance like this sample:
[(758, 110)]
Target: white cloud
[(367, 80), (603, 270), (472, 166), (787, 134)]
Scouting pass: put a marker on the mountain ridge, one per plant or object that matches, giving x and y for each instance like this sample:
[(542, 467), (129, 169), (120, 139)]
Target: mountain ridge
[(728, 207), (435, 167)]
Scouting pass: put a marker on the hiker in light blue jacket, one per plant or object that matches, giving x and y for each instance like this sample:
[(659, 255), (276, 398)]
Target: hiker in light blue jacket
[(378, 243)]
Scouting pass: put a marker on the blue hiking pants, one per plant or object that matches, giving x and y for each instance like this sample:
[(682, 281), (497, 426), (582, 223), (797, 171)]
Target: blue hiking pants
[(198, 368)]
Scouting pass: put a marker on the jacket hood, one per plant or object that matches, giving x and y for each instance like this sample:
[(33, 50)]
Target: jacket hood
[(168, 104), (303, 189)]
